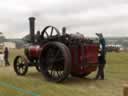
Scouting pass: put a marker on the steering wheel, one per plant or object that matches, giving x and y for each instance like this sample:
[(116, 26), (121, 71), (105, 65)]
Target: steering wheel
[(49, 31)]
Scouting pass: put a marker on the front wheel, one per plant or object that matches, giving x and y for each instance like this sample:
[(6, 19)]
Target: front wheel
[(20, 65)]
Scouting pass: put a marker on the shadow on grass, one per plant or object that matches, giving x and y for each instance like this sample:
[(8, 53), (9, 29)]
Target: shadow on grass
[(35, 75), (69, 81), (75, 80)]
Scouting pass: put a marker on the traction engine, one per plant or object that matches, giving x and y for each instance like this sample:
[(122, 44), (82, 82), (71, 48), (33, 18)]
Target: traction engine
[(57, 55)]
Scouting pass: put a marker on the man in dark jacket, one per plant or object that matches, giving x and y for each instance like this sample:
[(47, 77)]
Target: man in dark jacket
[(102, 53), (6, 53)]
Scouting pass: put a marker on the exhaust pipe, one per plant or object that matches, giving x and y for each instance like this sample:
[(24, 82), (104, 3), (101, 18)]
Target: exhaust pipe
[(32, 29)]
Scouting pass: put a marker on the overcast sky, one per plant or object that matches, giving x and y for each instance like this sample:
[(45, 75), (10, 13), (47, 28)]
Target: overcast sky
[(85, 16)]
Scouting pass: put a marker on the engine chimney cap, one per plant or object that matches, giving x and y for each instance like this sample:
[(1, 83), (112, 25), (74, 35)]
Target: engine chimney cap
[(31, 18)]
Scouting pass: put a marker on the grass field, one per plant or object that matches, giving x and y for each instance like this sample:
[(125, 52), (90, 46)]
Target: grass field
[(33, 84)]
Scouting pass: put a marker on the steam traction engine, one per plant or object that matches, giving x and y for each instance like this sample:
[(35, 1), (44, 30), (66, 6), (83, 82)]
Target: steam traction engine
[(58, 55)]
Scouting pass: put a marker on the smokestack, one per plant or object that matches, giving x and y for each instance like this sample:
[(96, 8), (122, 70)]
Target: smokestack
[(32, 28)]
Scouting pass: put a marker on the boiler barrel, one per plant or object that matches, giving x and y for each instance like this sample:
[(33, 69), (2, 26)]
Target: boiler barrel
[(33, 52)]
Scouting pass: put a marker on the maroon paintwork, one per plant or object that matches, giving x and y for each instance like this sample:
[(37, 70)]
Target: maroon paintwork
[(34, 51), (84, 58), (87, 59)]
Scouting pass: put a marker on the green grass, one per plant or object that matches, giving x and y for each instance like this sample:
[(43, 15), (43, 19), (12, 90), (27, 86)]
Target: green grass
[(116, 76)]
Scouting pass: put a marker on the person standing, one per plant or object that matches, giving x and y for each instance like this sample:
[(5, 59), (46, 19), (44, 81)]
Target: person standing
[(101, 57), (6, 54)]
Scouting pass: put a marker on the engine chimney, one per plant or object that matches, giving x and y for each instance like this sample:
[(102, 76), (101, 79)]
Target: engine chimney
[(32, 28)]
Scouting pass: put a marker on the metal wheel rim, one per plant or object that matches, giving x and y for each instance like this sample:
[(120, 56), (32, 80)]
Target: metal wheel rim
[(53, 29), (20, 65)]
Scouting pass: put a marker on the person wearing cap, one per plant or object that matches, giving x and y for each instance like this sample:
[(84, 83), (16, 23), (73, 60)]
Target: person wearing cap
[(101, 57)]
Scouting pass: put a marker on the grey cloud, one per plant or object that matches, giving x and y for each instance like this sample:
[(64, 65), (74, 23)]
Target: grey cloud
[(73, 6), (78, 15)]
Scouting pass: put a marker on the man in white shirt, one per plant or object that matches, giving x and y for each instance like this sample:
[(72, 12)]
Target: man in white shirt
[(102, 53)]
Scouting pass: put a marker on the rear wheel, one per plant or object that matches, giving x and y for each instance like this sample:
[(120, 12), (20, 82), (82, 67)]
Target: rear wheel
[(20, 65), (55, 62)]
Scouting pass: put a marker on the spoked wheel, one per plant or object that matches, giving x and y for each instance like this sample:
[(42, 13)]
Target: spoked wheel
[(49, 32), (20, 65), (55, 62)]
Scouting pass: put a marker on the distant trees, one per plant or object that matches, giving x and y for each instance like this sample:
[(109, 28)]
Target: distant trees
[(2, 39), (118, 41)]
